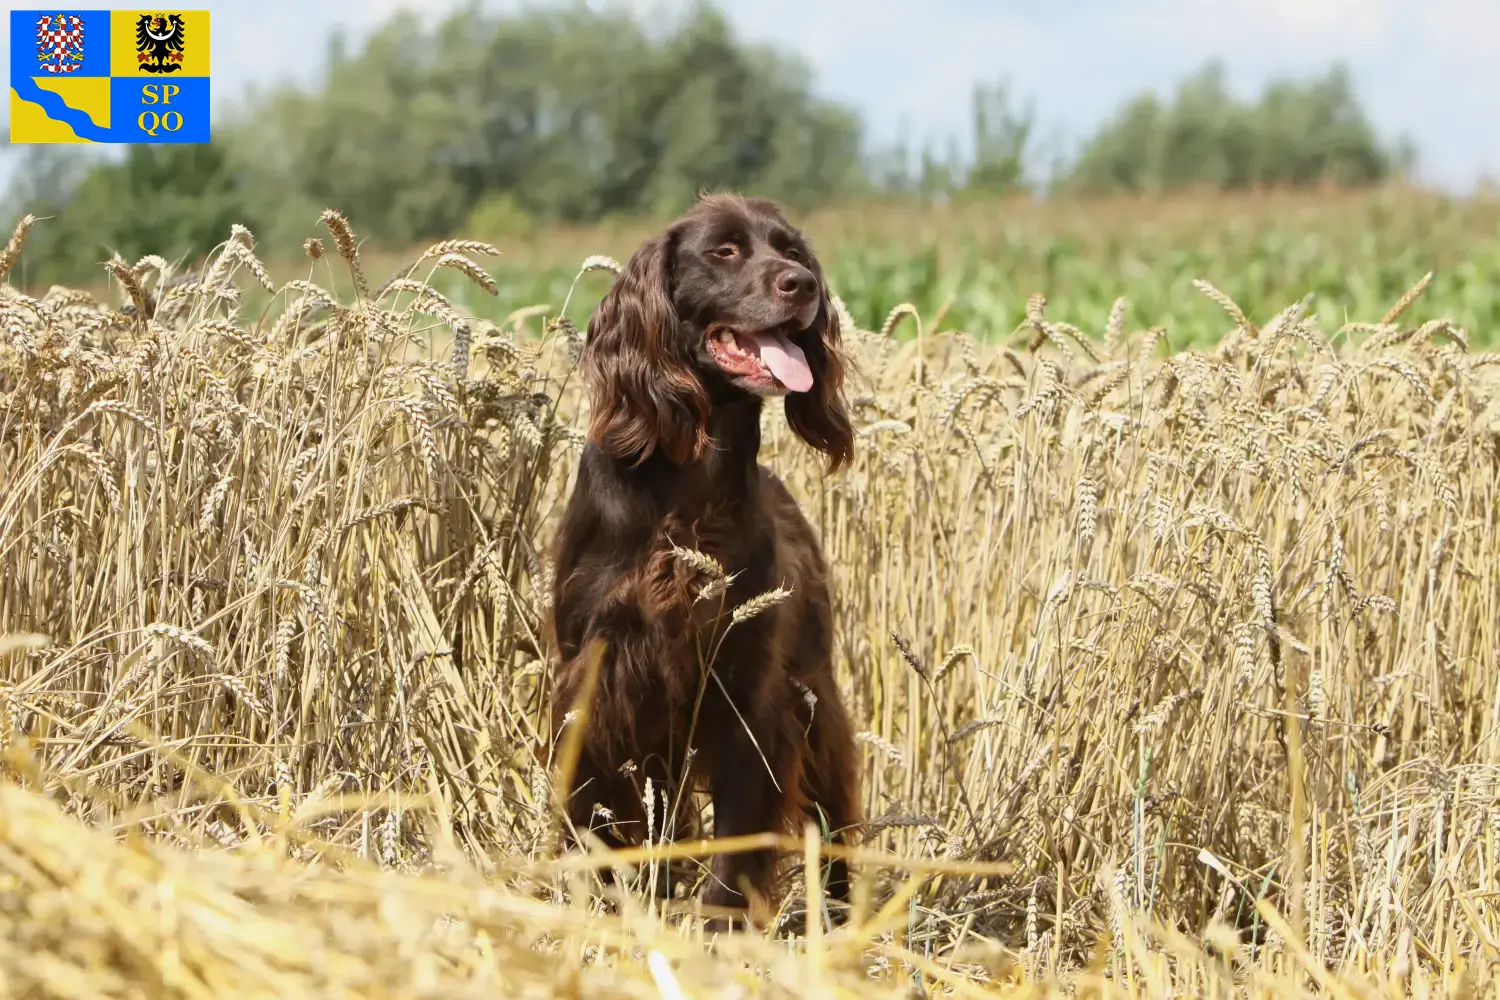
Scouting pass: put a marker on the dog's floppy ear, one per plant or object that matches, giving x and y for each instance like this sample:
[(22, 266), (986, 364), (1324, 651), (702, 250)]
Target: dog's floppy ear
[(819, 415), (643, 392)]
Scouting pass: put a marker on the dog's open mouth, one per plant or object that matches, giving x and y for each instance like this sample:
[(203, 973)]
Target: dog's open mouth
[(762, 357)]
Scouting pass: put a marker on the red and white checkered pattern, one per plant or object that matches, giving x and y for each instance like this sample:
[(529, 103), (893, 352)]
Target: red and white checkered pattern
[(59, 49)]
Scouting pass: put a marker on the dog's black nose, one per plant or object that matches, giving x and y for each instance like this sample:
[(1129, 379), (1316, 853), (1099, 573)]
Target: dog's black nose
[(797, 283)]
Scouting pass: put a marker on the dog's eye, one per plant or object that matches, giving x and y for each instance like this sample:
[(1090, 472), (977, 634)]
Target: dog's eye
[(792, 253), (726, 251)]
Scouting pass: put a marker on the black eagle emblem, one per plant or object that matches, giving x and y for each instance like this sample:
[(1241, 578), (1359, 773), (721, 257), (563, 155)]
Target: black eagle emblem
[(158, 40)]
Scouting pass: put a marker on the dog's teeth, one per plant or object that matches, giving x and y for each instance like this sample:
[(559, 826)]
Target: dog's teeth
[(726, 337)]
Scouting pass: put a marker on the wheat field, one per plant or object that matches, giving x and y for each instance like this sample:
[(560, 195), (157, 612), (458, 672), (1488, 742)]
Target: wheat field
[(1174, 676)]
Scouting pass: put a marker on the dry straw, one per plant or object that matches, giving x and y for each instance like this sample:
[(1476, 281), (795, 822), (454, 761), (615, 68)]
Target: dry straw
[(1170, 678)]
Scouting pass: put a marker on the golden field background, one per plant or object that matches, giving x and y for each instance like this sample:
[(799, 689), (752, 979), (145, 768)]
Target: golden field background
[(1175, 675)]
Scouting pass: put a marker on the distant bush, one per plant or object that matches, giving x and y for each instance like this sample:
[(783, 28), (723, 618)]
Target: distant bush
[(1298, 133), (499, 215)]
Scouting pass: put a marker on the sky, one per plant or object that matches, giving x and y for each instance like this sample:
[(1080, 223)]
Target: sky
[(1422, 68)]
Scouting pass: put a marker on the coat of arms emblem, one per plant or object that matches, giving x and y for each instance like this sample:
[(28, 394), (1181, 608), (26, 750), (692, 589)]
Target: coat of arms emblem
[(158, 42), (59, 42)]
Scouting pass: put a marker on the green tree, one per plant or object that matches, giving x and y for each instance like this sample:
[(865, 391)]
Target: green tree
[(508, 120), (1306, 133), (573, 114), (493, 124), (1002, 140), (174, 200), (1001, 146), (1297, 133)]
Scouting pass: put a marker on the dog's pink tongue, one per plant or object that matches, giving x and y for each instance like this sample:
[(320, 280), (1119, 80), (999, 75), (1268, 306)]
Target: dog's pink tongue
[(785, 359)]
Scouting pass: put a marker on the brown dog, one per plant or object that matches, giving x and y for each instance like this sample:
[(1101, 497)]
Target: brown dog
[(724, 309)]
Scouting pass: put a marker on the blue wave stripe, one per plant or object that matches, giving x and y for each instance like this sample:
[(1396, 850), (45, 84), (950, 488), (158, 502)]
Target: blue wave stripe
[(58, 110)]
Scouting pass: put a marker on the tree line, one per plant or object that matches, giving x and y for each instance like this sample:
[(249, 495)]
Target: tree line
[(495, 123)]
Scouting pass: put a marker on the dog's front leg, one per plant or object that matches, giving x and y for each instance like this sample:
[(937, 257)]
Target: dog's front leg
[(750, 771)]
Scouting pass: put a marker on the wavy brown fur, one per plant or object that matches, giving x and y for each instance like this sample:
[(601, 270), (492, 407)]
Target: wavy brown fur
[(672, 464)]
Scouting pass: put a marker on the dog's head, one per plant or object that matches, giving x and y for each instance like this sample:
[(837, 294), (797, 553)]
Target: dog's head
[(729, 300)]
